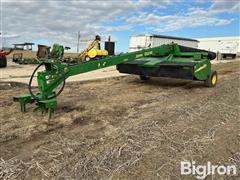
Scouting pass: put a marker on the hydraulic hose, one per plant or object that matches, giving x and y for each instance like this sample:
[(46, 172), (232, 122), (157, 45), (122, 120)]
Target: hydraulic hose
[(30, 85)]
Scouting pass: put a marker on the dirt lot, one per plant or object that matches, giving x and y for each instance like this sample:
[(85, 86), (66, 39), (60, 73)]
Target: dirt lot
[(122, 128)]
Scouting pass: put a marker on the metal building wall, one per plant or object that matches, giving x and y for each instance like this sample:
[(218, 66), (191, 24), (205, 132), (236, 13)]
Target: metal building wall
[(216, 44), (139, 42), (161, 41)]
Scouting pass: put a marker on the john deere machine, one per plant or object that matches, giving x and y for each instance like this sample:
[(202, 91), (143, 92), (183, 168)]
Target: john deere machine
[(169, 60)]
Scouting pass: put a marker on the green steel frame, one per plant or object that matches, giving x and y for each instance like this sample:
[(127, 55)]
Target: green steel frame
[(56, 73)]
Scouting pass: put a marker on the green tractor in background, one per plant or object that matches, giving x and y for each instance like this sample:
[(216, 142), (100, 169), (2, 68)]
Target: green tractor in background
[(44, 51)]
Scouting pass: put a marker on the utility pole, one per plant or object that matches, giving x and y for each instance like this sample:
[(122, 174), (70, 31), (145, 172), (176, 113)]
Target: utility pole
[(78, 41), (1, 25)]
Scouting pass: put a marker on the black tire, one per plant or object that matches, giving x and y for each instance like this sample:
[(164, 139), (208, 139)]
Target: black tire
[(212, 79), (3, 62), (144, 78), (234, 56), (212, 55)]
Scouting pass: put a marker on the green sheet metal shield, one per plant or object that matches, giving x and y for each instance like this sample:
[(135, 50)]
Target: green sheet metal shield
[(202, 70)]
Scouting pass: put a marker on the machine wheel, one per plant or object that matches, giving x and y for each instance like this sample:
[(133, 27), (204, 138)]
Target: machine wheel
[(212, 79), (144, 78), (3, 62)]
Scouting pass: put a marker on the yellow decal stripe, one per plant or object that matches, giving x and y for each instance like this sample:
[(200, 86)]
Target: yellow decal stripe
[(201, 68), (139, 55)]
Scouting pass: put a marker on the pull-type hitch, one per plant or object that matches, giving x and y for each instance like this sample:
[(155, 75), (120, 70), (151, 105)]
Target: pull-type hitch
[(46, 106)]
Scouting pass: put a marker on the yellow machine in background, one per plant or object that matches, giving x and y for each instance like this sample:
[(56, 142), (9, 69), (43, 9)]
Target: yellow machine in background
[(93, 50), (97, 52)]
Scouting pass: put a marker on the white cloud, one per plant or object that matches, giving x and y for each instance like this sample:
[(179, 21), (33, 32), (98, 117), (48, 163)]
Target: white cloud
[(229, 6), (193, 17), (59, 21), (191, 22), (8, 36)]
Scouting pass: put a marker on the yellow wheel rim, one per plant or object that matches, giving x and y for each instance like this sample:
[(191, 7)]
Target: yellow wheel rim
[(214, 79)]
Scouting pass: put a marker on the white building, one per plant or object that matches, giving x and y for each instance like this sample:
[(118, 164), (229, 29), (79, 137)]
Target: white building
[(141, 41), (226, 46)]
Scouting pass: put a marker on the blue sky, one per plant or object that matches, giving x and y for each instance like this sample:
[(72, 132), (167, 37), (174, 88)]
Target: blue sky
[(228, 28), (58, 21)]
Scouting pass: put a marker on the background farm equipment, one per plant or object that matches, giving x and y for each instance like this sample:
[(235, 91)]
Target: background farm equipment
[(3, 58), (44, 51), (93, 50), (18, 58), (169, 60)]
